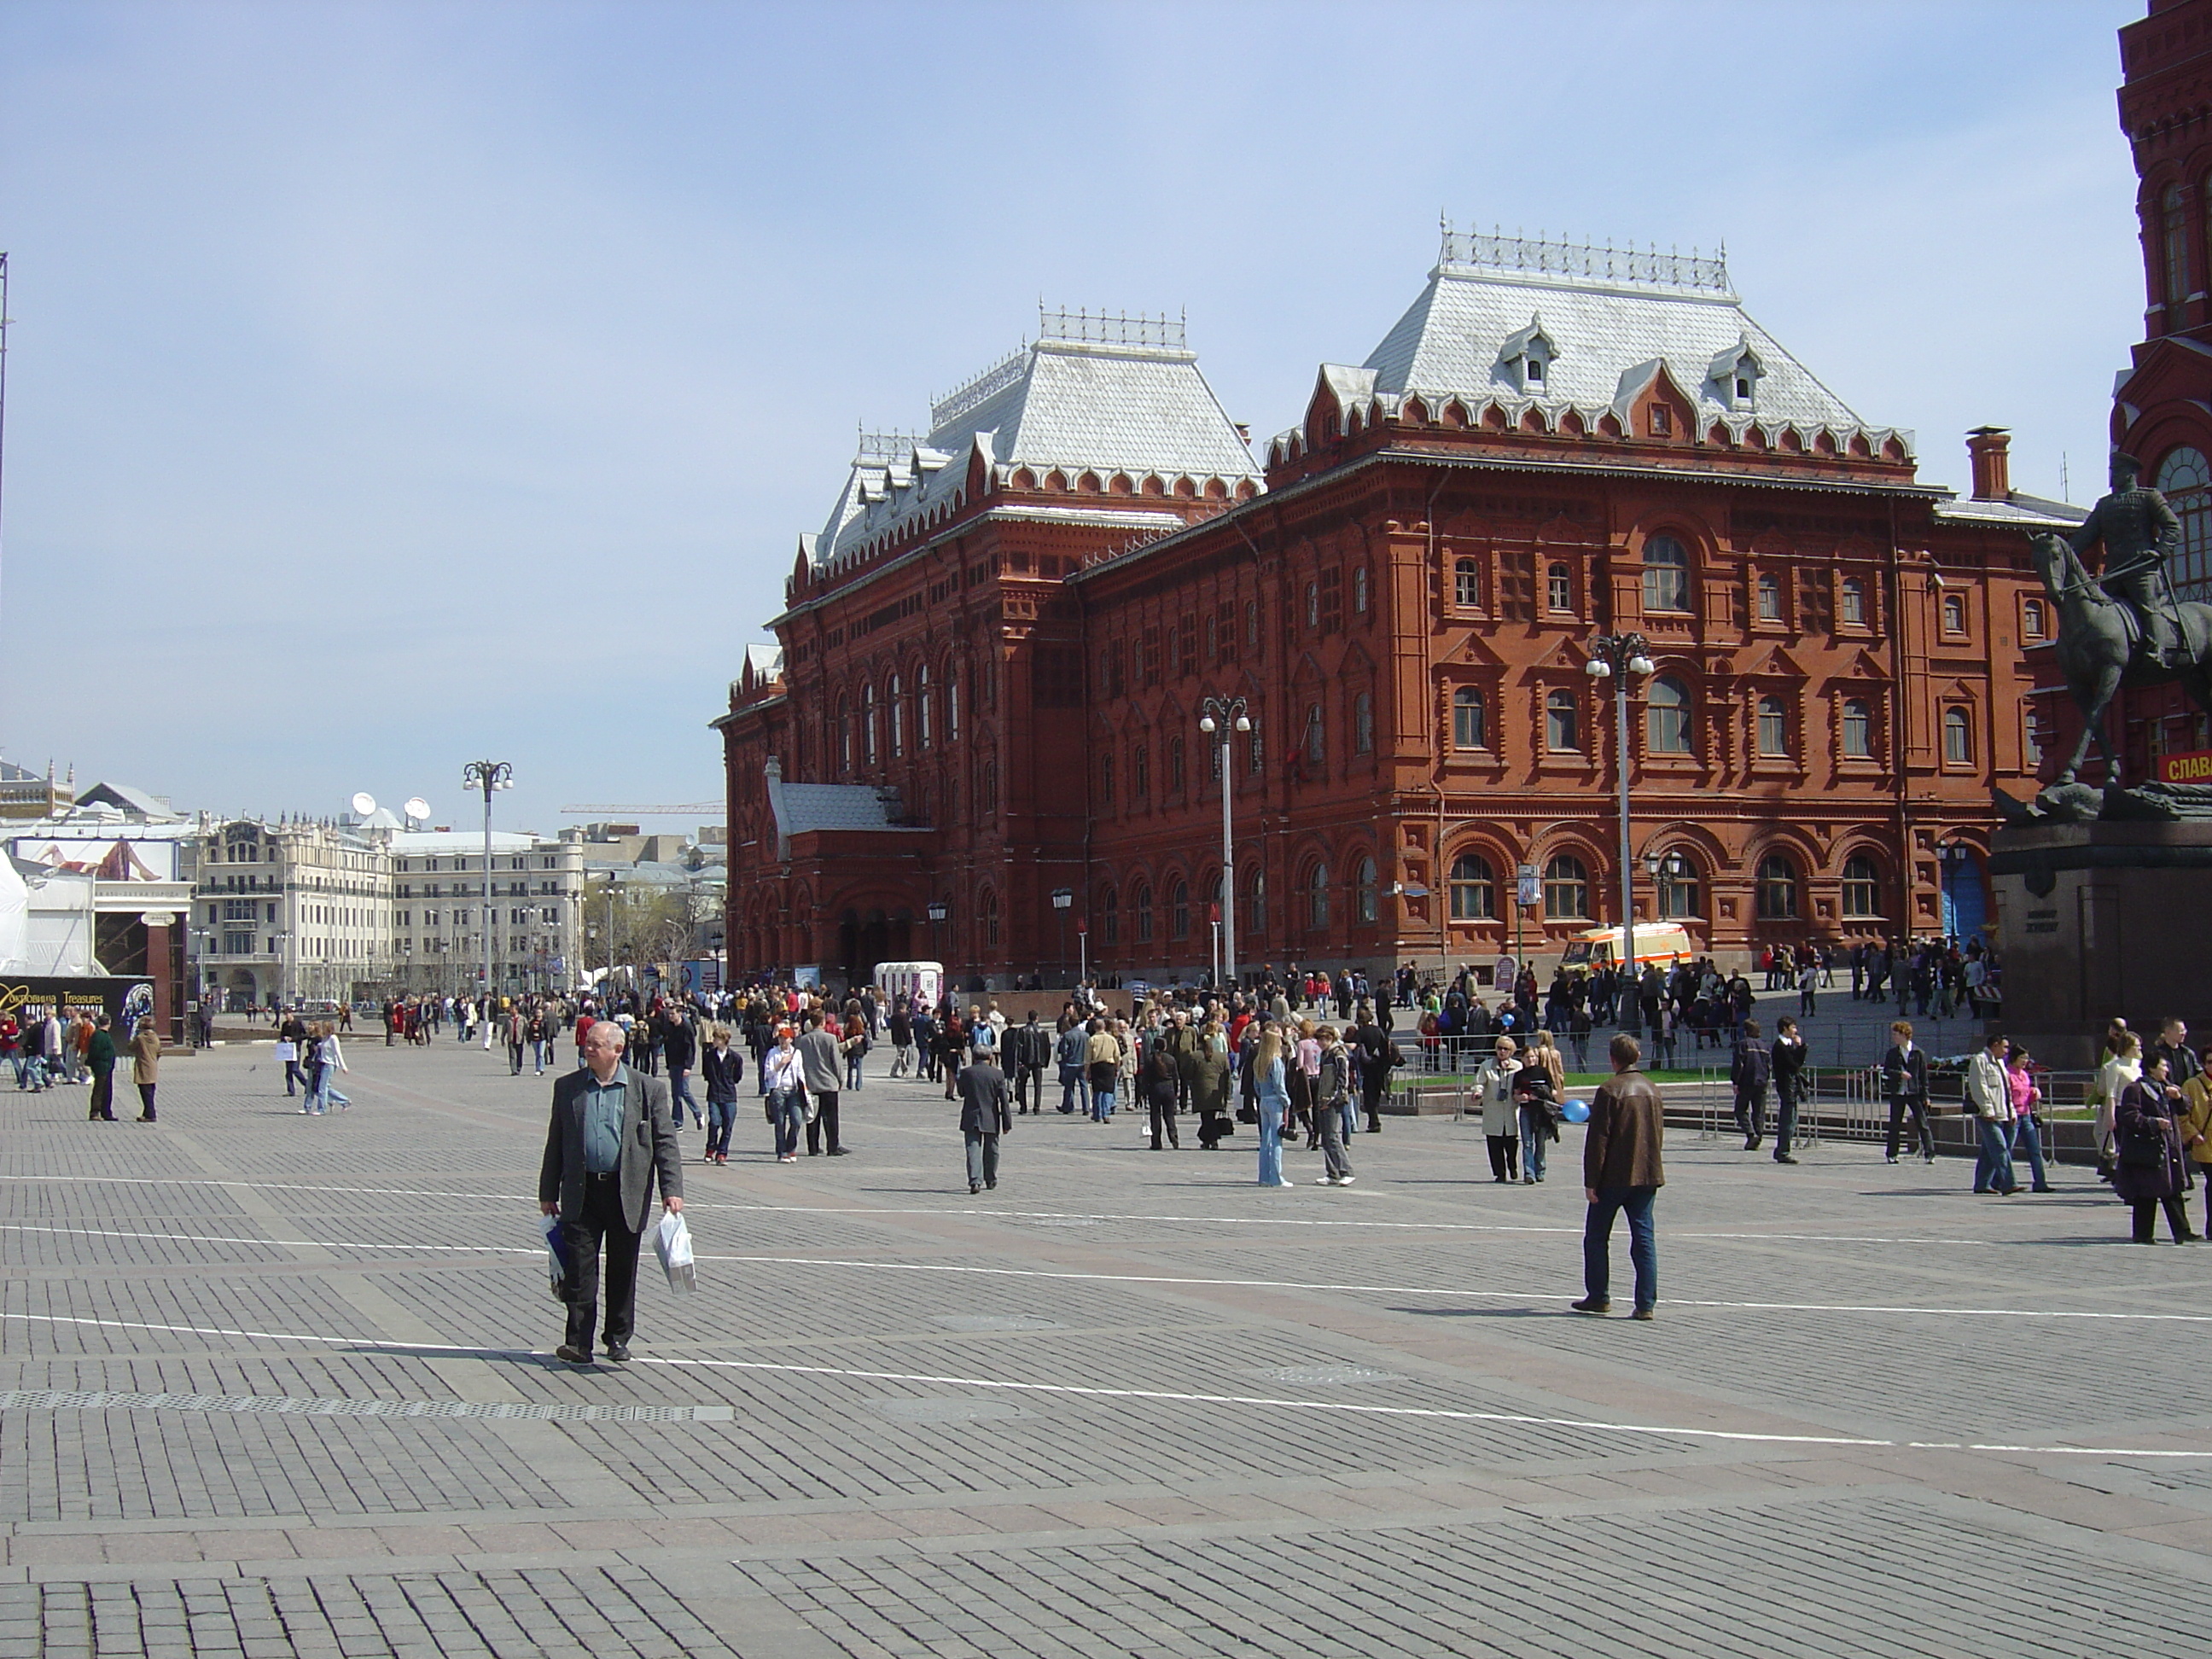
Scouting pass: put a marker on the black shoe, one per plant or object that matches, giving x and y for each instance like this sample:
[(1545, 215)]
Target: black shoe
[(993, 1185), (974, 1188), (836, 1151), (2008, 1191), (573, 1356), (619, 1352), (1754, 1143), (1783, 1157), (1589, 1306)]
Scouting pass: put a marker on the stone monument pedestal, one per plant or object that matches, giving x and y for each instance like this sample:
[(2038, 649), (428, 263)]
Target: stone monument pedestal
[(2100, 919)]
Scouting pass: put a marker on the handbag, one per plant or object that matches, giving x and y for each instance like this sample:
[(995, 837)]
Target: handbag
[(2142, 1151)]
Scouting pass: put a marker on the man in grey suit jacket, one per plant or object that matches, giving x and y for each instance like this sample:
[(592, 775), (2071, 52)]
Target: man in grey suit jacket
[(982, 1120), (610, 1135)]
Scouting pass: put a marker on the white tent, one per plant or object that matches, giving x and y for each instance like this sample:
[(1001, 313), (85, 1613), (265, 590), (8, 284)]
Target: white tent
[(14, 918)]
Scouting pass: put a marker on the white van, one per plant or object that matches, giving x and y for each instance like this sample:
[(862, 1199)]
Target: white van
[(1664, 942), (922, 982)]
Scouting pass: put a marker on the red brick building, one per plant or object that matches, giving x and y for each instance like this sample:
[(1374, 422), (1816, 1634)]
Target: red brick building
[(1554, 442), (2162, 403)]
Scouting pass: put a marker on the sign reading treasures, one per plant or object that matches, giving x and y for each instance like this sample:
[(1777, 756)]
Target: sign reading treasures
[(2195, 767), (123, 999)]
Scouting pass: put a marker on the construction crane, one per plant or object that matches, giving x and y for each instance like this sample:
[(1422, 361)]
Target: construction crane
[(682, 810)]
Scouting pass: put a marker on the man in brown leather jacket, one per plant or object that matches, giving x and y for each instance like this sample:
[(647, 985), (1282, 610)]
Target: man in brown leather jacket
[(1621, 1170)]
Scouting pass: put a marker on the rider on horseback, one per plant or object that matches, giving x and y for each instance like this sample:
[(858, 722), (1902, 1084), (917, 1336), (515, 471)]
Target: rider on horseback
[(2140, 533)]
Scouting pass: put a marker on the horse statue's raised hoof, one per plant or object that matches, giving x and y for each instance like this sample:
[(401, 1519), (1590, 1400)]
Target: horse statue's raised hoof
[(2069, 802)]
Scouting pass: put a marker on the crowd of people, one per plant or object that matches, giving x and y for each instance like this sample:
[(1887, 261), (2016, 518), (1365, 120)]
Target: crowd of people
[(52, 1050)]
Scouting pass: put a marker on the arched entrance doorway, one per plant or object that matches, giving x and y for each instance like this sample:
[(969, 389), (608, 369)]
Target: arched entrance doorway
[(1966, 895)]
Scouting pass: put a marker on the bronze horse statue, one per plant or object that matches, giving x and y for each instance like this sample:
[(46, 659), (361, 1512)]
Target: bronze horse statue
[(2098, 649)]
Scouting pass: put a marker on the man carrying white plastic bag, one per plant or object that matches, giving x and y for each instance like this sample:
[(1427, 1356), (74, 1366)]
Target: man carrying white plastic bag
[(672, 1242)]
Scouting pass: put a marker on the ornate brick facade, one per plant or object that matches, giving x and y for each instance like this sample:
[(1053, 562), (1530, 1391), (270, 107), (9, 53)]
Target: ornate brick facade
[(1554, 442)]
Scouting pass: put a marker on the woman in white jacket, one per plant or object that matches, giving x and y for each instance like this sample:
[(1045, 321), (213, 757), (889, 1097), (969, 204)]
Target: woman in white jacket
[(1501, 1122), (2123, 1066)]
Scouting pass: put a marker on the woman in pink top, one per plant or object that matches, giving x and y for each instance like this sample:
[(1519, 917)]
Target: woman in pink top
[(2027, 1129), (1306, 1094)]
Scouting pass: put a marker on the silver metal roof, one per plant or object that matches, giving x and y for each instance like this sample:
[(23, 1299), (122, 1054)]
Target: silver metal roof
[(1613, 316), (1095, 394)]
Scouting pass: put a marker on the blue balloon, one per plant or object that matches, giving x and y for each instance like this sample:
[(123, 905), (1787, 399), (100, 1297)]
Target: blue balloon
[(1576, 1111)]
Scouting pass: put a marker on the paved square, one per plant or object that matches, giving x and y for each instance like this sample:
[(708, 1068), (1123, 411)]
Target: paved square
[(274, 1385)]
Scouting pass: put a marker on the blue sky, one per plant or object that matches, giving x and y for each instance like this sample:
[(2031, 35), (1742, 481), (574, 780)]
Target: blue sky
[(395, 385)]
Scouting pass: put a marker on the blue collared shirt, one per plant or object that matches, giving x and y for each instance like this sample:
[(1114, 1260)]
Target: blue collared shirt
[(602, 1120)]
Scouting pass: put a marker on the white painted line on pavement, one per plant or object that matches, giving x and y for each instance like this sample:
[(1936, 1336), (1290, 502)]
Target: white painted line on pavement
[(1175, 1397)]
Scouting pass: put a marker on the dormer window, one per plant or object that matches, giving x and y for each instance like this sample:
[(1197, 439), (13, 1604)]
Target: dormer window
[(1525, 359), (1734, 373)]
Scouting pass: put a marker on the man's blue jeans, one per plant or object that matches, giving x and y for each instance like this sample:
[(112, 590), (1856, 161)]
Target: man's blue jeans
[(1993, 1166), (680, 1095), (722, 1118), (1643, 1243)]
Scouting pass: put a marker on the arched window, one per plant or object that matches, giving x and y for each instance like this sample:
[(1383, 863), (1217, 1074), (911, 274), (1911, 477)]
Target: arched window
[(1954, 613), (1666, 717), (1560, 588), (1858, 730), (844, 734), (2031, 735), (1679, 890), (952, 704), (1473, 889), (1854, 605), (2187, 483), (1178, 908), (1140, 900), (868, 723), (987, 918), (1317, 898), (1175, 765), (1470, 726), (1363, 724), (1567, 889), (2032, 622), (1316, 740), (1769, 598), (1109, 916), (898, 717), (1562, 729), (1778, 888), (1366, 902), (1666, 574), (1773, 726), (2175, 214), (1359, 590), (1958, 738), (1862, 888), (1313, 604), (921, 706), (1252, 914), (1466, 583)]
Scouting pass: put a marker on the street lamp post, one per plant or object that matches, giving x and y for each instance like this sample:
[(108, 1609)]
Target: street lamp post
[(1063, 900), (488, 776), (1218, 717), (1619, 657), (937, 911)]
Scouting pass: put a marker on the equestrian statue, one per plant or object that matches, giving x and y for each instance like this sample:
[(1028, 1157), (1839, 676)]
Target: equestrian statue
[(2122, 625)]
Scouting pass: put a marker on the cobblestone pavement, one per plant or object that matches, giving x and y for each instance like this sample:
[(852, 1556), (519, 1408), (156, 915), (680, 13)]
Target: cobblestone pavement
[(278, 1385)]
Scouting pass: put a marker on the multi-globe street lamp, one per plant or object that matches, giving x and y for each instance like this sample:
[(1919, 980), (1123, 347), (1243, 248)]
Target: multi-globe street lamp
[(488, 776), (1619, 658), (1218, 718)]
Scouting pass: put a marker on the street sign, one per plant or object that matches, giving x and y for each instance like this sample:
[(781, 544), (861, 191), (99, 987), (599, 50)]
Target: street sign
[(2195, 767), (1527, 890)]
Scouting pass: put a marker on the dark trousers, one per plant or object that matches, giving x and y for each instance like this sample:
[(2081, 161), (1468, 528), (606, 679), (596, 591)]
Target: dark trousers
[(1029, 1089), (1899, 1105), (1164, 1116), (825, 1121), (1785, 1118), (103, 1096), (1751, 1112), (982, 1159), (1371, 1101), (1505, 1149), (1643, 1242), (602, 1219), (294, 1074), (146, 1100), (2146, 1210)]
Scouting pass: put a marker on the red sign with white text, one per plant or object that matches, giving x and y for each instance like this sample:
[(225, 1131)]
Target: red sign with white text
[(2195, 767)]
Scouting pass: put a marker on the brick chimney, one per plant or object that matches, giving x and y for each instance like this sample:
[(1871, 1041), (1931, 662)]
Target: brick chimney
[(1989, 448)]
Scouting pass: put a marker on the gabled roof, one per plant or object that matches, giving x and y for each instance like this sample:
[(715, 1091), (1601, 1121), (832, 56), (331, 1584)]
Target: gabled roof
[(1614, 316), (1095, 394)]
